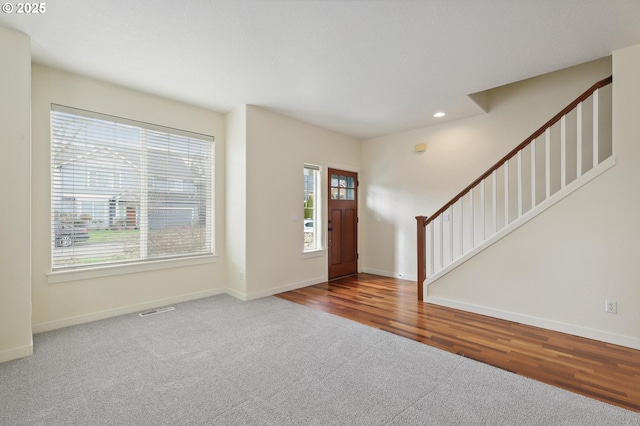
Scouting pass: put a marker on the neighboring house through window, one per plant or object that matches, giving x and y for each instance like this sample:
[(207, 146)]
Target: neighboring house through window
[(124, 191), (312, 203)]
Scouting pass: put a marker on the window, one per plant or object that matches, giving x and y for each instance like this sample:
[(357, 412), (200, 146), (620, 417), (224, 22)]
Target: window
[(125, 191), (343, 187), (312, 203)]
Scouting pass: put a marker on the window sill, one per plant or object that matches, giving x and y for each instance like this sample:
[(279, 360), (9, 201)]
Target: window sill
[(111, 270), (312, 253)]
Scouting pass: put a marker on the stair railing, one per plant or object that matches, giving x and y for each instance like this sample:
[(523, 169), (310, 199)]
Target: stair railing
[(470, 238)]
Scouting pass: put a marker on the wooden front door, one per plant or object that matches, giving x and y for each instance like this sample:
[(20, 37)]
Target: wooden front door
[(343, 223)]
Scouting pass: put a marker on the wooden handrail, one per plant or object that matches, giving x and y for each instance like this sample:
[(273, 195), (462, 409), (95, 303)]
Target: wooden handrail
[(514, 151)]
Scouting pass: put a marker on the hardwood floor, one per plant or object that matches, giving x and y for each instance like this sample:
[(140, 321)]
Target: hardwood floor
[(598, 370)]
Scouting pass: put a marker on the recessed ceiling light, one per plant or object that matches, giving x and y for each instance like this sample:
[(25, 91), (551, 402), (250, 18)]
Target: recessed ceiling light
[(439, 114)]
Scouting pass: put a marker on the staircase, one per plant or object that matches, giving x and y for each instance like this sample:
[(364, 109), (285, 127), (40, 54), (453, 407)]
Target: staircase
[(564, 154)]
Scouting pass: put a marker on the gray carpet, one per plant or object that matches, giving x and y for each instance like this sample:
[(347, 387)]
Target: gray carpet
[(219, 361)]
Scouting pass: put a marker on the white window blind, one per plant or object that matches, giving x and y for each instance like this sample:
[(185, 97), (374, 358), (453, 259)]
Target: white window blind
[(124, 191)]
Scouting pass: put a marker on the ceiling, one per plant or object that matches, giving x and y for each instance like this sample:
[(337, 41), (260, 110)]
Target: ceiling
[(361, 67)]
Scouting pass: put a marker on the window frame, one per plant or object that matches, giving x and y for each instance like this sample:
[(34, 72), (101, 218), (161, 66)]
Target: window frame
[(61, 273)]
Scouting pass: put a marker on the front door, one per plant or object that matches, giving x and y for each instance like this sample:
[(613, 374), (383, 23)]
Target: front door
[(343, 223)]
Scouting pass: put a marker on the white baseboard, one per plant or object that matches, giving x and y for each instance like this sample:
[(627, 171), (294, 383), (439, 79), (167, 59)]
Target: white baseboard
[(237, 294), (602, 336), (16, 353), (276, 290), (389, 274), (95, 316)]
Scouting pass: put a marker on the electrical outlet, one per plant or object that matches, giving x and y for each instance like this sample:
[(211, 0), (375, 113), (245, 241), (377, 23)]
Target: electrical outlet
[(611, 306)]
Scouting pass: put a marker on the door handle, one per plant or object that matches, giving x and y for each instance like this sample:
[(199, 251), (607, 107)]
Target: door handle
[(330, 229)]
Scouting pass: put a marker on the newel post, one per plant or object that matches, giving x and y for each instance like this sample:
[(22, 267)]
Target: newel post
[(422, 254)]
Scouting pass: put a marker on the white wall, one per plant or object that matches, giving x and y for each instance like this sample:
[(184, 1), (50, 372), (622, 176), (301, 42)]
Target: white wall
[(558, 269), (277, 147), (65, 303), (236, 202), (15, 227)]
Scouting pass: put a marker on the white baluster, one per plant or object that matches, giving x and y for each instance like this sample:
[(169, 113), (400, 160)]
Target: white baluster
[(579, 142), (506, 193), (427, 250), (472, 229), (482, 209), (563, 151), (494, 206), (432, 251), (441, 241), (595, 127), (547, 163), (533, 173), (451, 219), (519, 183), (461, 225)]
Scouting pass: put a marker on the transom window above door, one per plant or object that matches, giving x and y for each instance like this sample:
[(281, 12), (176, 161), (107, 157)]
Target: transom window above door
[(343, 187)]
